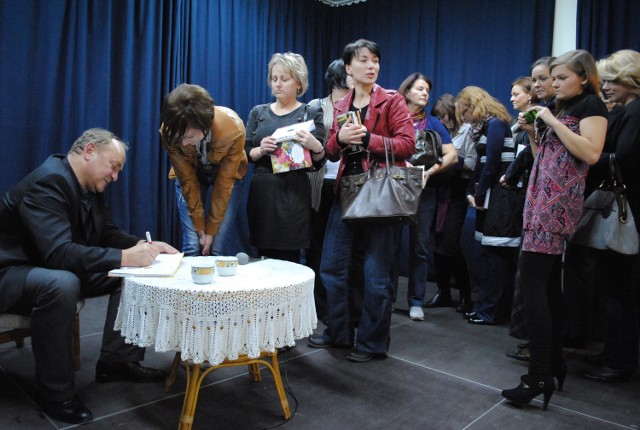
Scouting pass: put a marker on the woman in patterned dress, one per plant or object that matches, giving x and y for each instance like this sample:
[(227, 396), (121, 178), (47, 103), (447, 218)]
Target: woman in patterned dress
[(572, 139)]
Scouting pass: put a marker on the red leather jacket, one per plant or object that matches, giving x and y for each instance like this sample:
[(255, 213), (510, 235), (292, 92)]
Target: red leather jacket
[(387, 116)]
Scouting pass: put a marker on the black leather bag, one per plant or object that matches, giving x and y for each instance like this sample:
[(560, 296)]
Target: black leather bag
[(607, 221), (428, 149), (381, 195)]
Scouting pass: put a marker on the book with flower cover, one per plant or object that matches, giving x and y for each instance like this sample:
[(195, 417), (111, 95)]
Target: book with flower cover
[(290, 155)]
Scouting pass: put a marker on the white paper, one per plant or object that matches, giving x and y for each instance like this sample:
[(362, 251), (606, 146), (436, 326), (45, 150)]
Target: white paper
[(287, 133), (164, 265)]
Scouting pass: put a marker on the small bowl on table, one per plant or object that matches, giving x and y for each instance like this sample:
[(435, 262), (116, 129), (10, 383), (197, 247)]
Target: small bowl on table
[(226, 266), (202, 273)]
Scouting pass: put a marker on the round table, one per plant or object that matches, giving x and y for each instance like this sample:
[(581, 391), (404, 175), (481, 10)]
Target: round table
[(235, 320)]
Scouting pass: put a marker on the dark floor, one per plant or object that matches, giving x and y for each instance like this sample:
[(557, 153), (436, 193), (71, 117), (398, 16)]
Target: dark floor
[(441, 373)]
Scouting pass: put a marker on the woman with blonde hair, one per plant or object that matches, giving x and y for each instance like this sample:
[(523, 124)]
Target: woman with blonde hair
[(498, 219), (279, 206), (449, 260), (620, 74), (572, 140)]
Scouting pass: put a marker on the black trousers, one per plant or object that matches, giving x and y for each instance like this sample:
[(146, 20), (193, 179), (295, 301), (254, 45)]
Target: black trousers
[(50, 297), (619, 281), (541, 282)]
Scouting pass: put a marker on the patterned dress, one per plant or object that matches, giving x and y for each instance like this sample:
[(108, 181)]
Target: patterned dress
[(557, 182)]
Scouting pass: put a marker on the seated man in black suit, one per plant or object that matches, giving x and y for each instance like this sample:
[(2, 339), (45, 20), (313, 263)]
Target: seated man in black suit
[(57, 243)]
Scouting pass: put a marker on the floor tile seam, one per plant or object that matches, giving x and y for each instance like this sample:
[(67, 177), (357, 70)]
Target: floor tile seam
[(120, 412), (30, 399), (594, 417), (503, 401), (482, 415)]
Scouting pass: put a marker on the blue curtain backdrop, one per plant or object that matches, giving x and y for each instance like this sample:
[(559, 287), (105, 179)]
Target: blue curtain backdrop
[(604, 27), (68, 65)]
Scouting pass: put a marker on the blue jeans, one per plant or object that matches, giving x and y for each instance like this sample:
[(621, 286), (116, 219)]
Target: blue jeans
[(231, 237), (421, 246), (380, 244)]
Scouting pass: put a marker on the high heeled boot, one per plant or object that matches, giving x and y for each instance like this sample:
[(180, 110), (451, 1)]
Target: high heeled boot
[(530, 387), (559, 371)]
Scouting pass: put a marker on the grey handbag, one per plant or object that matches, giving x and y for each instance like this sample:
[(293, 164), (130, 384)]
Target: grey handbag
[(606, 221), (381, 194)]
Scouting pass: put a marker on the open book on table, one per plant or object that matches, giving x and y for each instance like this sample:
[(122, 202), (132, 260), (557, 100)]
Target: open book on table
[(164, 265)]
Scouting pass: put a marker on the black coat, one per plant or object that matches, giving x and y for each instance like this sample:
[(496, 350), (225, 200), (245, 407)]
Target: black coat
[(41, 225)]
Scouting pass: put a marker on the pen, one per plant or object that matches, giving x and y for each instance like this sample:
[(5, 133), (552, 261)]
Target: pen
[(149, 238)]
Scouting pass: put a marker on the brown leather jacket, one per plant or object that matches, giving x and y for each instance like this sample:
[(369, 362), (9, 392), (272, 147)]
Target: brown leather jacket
[(227, 151)]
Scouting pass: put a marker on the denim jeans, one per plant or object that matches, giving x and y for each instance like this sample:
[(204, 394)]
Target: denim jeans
[(421, 246), (380, 244), (231, 237)]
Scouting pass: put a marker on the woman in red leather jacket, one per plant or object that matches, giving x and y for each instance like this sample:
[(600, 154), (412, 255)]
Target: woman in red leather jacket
[(382, 114)]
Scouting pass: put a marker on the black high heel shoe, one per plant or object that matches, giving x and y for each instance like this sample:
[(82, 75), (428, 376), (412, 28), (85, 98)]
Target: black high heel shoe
[(560, 373), (530, 387)]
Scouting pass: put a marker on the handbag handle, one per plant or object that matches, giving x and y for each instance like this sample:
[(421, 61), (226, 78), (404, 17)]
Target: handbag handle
[(388, 144), (619, 189)]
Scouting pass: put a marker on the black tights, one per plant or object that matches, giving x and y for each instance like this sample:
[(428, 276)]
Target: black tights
[(540, 277)]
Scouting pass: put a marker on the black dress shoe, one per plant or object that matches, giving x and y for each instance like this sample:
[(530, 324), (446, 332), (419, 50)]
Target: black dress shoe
[(468, 315), (69, 411), (127, 371), (319, 342), (363, 357), (439, 300), (520, 354), (523, 345), (607, 374)]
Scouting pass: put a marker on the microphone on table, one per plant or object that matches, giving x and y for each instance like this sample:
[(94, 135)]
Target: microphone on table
[(243, 258)]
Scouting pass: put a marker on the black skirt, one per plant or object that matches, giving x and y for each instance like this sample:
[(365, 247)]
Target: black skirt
[(279, 209)]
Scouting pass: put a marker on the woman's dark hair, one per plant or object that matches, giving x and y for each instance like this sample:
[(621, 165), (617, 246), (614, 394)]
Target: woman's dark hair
[(446, 105), (336, 75), (351, 50), (186, 106), (407, 84)]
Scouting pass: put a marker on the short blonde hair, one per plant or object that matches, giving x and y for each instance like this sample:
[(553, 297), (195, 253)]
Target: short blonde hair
[(296, 66), (622, 67)]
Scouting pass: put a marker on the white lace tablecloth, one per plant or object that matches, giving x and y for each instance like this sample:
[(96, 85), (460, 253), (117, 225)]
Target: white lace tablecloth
[(268, 304)]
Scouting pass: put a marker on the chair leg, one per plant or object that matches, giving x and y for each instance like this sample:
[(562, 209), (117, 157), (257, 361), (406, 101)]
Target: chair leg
[(76, 342), (171, 377)]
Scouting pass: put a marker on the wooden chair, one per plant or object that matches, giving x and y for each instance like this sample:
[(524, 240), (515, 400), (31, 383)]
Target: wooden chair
[(16, 327)]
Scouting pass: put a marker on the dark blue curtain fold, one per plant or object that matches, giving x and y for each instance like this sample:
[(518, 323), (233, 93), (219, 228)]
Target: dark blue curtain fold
[(68, 65), (604, 27)]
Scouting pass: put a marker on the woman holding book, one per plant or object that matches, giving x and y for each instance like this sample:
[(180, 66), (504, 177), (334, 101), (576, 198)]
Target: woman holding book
[(279, 206), (384, 115)]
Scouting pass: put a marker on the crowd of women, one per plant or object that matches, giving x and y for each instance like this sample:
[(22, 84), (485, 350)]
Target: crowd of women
[(525, 178)]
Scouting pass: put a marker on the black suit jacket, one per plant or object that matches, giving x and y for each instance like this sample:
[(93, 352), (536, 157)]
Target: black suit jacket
[(41, 225)]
